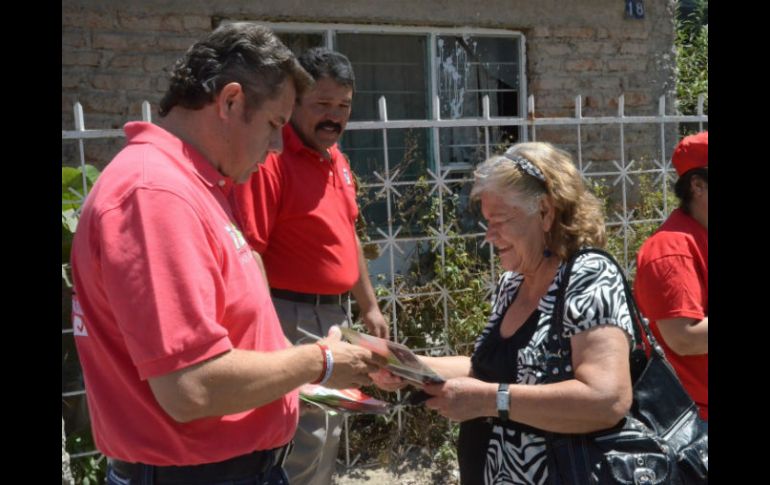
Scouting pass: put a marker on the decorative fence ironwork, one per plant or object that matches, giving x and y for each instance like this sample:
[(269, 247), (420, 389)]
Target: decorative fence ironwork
[(579, 135)]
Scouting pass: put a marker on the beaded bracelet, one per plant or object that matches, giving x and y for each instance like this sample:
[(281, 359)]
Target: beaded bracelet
[(328, 365)]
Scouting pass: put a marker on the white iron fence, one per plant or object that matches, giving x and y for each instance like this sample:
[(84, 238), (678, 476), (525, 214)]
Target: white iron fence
[(589, 139)]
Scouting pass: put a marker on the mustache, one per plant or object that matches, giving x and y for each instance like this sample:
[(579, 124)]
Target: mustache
[(329, 124)]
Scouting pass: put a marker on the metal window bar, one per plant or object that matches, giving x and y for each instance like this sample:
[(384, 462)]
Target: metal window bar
[(391, 240)]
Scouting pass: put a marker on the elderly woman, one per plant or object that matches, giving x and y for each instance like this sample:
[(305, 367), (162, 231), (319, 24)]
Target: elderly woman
[(538, 214)]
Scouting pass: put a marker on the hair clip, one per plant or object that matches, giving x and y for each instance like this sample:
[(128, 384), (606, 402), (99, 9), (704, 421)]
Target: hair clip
[(526, 166)]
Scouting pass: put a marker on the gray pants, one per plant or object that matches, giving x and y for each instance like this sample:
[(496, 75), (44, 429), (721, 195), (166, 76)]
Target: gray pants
[(316, 443)]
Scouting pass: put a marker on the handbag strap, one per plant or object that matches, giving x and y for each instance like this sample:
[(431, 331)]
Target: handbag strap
[(556, 341)]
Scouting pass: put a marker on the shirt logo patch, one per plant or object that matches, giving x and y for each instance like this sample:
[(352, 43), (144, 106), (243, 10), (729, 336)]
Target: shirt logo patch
[(346, 174), (235, 234), (78, 321)]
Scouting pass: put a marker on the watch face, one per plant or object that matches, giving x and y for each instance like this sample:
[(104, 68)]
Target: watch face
[(502, 400)]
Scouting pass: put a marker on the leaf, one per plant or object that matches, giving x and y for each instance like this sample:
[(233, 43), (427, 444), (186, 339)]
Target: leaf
[(65, 275), (69, 175), (72, 181), (69, 219), (92, 173)]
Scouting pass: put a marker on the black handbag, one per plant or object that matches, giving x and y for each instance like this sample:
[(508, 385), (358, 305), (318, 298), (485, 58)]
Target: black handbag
[(662, 439)]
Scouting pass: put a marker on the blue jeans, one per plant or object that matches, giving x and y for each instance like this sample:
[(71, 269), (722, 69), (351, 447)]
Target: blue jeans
[(274, 476)]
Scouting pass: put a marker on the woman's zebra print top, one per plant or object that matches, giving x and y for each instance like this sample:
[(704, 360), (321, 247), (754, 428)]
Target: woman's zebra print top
[(594, 297)]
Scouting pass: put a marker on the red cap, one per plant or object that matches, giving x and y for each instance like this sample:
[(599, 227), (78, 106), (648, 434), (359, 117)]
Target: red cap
[(692, 152)]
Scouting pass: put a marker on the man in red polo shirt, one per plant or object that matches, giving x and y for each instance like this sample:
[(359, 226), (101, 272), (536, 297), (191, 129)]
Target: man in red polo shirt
[(299, 212), (189, 376), (671, 283)]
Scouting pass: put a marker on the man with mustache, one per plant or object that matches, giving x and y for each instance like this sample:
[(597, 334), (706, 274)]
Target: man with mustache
[(298, 212)]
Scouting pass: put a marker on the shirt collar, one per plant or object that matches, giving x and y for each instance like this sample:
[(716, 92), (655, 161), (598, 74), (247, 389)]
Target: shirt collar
[(681, 217), (293, 143), (184, 153)]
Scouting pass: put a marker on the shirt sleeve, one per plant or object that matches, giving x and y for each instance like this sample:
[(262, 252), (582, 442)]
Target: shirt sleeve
[(257, 203), (161, 269), (595, 296), (669, 287)]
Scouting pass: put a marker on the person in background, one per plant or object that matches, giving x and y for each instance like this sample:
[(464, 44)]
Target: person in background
[(190, 378), (298, 213), (539, 214), (671, 284)]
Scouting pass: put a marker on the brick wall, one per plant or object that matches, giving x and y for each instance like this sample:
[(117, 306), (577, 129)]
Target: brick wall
[(115, 53)]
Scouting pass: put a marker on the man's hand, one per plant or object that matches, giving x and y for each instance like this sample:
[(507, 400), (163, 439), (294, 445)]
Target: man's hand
[(352, 364), (376, 323)]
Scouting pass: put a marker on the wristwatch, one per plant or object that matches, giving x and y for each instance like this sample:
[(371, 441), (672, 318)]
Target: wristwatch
[(503, 401)]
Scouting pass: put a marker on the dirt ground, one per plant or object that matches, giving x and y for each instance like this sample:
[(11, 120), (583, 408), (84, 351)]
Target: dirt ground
[(412, 470)]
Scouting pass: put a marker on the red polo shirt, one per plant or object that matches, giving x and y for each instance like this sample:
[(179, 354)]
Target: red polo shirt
[(672, 282), (164, 280), (298, 211)]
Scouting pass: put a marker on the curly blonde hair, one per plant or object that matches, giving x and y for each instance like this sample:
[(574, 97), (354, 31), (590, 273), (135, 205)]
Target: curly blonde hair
[(579, 217)]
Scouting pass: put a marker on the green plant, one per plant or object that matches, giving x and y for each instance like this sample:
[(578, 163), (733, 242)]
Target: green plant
[(446, 456), (73, 193), (86, 470), (646, 205), (691, 43)]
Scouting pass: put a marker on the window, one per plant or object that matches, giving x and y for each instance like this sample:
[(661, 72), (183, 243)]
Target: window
[(470, 67)]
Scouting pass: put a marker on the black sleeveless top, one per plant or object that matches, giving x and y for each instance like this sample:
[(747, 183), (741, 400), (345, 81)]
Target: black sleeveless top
[(495, 360)]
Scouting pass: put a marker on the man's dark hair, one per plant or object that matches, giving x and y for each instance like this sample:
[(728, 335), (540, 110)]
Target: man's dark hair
[(322, 62), (683, 186), (241, 52)]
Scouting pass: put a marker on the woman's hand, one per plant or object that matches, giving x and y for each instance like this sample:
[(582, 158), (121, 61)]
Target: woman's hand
[(463, 398), (387, 381)]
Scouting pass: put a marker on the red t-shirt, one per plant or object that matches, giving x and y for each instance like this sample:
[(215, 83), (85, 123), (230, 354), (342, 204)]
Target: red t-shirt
[(672, 282), (298, 211), (164, 280)]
